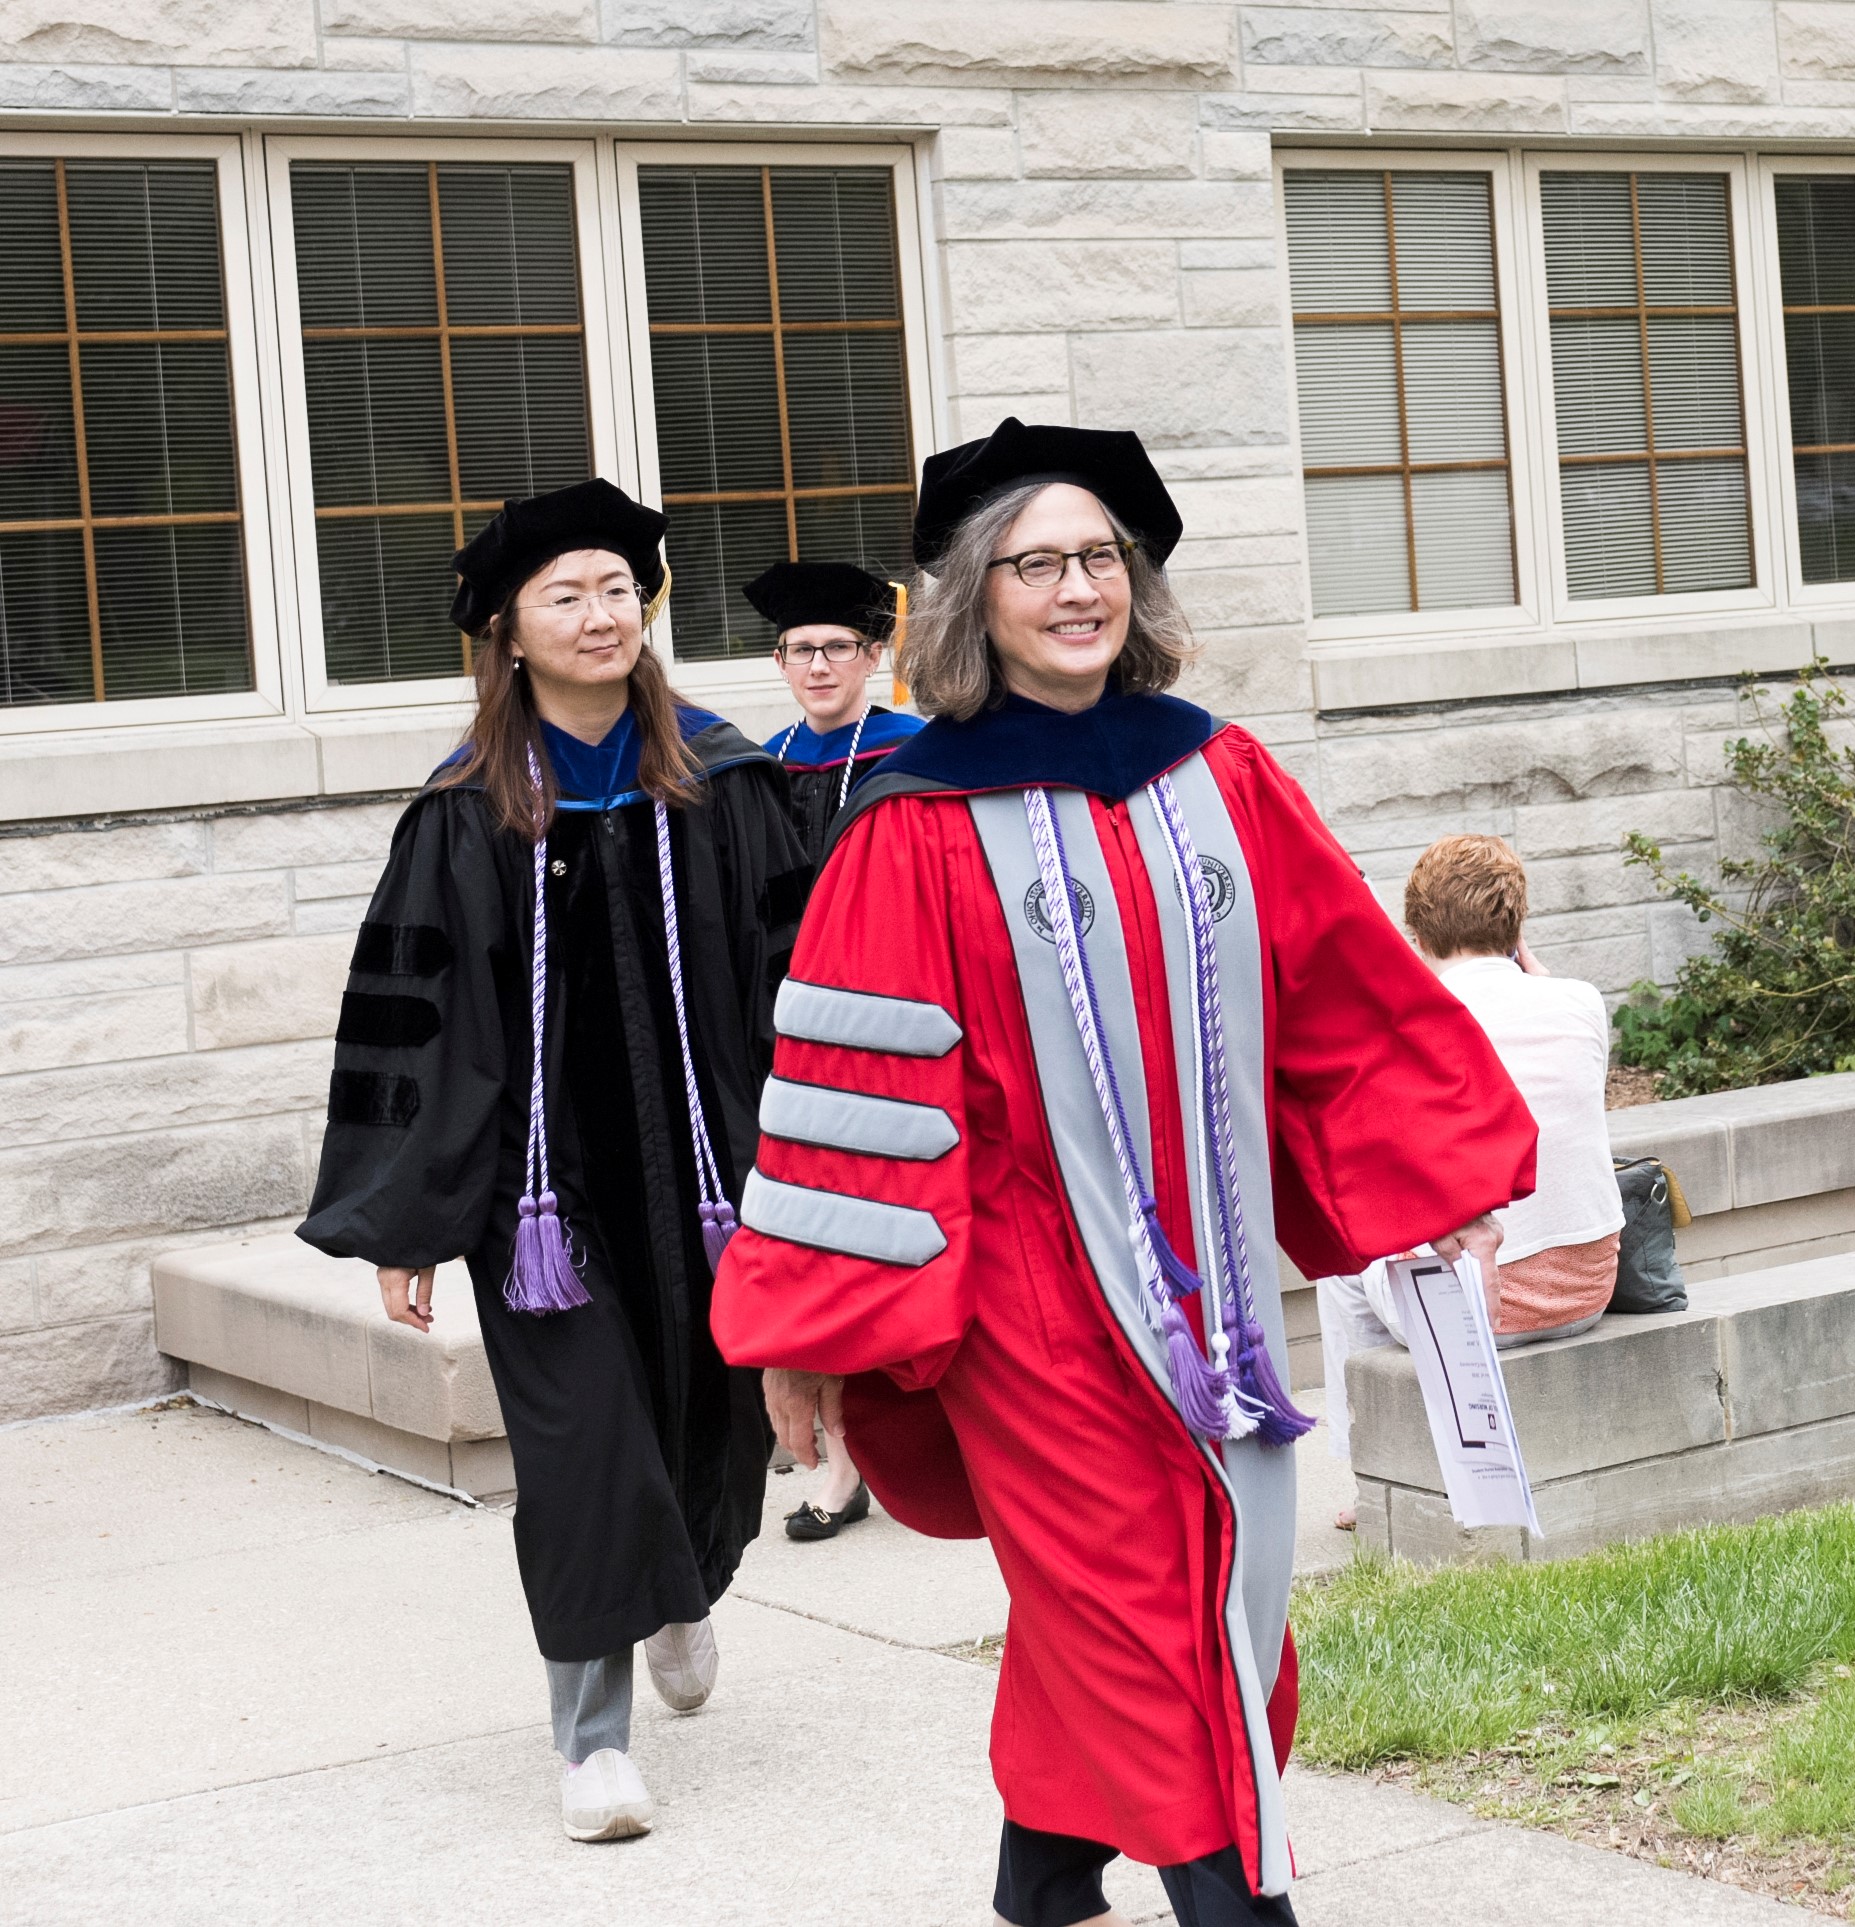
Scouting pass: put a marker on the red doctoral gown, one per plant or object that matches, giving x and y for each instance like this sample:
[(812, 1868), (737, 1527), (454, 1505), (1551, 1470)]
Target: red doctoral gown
[(930, 1248)]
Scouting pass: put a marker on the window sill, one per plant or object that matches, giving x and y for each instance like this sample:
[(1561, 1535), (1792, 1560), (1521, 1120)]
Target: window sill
[(1385, 675), (210, 765), (214, 764)]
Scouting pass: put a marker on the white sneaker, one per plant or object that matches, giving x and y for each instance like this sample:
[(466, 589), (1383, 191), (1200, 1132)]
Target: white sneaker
[(683, 1663), (604, 1798)]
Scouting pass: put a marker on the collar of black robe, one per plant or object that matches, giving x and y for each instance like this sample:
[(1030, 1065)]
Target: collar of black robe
[(1110, 750), (604, 775), (805, 749)]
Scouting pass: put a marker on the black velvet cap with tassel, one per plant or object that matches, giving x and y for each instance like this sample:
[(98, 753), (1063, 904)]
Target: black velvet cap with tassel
[(527, 533), (792, 595), (1112, 464)]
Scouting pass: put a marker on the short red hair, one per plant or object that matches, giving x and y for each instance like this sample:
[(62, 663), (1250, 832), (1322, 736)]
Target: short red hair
[(1467, 893)]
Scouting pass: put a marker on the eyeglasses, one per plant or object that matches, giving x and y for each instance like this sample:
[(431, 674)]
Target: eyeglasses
[(569, 606), (1045, 568), (838, 649)]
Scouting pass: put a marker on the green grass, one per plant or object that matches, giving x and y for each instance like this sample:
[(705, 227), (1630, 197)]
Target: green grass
[(1800, 1787), (1402, 1664)]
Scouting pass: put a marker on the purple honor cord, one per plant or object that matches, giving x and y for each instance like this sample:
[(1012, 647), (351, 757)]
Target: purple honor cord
[(718, 1224), (1254, 1382), (1216, 1400), (542, 1274)]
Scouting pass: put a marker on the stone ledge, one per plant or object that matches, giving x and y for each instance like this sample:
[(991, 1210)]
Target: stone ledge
[(274, 1314), (481, 1468), (1735, 1150), (1743, 1404)]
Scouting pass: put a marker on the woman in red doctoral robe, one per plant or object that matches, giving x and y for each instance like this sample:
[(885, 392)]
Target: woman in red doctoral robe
[(1088, 1010)]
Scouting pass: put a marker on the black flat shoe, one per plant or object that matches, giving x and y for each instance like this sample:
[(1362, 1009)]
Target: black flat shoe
[(814, 1522)]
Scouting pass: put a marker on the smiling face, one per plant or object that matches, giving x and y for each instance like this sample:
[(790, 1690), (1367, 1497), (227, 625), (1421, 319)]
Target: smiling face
[(831, 693), (579, 627), (1056, 645)]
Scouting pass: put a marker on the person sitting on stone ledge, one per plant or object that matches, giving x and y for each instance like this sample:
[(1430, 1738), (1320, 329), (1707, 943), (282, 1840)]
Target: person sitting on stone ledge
[(1465, 904)]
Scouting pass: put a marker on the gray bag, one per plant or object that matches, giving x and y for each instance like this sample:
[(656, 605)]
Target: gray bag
[(1648, 1278)]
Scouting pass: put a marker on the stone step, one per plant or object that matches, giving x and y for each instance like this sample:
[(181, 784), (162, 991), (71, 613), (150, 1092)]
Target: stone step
[(1741, 1405), (274, 1330)]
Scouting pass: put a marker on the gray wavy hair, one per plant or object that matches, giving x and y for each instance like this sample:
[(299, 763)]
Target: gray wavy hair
[(948, 661)]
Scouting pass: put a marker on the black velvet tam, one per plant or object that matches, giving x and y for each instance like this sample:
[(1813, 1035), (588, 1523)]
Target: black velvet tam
[(527, 534), (1111, 464), (792, 595)]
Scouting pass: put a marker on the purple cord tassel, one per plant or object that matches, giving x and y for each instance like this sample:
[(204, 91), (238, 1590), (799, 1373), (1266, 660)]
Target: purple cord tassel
[(1181, 1280), (1260, 1391), (718, 1226), (542, 1277), (1201, 1388)]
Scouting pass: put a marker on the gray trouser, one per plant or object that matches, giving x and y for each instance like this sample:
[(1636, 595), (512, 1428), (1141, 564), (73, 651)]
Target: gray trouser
[(591, 1703)]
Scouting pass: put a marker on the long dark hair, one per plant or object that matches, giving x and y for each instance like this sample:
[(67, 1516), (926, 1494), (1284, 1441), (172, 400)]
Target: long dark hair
[(506, 727)]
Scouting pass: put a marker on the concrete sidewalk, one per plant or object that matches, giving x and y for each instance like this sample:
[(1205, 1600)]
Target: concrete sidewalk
[(245, 1681)]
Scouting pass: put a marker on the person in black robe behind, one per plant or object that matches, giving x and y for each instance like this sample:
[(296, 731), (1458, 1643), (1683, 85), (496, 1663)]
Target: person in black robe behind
[(833, 619), (607, 1159)]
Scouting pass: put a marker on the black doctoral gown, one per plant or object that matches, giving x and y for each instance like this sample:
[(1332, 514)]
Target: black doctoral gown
[(639, 1456), (815, 765)]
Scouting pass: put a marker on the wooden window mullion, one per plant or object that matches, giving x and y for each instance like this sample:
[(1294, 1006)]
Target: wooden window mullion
[(779, 365), (92, 600), (440, 294), (1397, 364), (1648, 384)]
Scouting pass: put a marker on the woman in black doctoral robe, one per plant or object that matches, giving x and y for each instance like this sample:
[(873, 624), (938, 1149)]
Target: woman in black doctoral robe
[(588, 1183)]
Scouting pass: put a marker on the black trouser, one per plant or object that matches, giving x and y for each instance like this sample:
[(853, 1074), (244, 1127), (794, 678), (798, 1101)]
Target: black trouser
[(1054, 1880)]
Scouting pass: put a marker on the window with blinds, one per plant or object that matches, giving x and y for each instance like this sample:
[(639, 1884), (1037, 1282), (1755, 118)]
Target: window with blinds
[(1816, 263), (1398, 371), (121, 550), (1653, 481), (780, 382), (444, 370)]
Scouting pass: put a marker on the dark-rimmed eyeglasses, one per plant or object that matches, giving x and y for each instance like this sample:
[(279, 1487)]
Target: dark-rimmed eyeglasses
[(1045, 568), (838, 649)]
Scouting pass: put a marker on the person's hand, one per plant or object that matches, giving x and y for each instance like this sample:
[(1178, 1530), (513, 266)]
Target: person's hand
[(793, 1400), (1481, 1239), (1525, 958), (403, 1305)]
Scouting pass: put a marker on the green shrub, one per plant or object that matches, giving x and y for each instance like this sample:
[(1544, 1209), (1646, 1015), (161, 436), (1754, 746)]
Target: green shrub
[(1775, 997)]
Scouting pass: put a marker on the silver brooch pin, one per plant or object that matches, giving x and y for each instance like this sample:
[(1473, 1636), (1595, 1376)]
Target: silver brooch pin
[(559, 866)]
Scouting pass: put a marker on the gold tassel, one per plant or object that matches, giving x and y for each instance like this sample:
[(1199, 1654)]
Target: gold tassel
[(898, 635), (659, 599)]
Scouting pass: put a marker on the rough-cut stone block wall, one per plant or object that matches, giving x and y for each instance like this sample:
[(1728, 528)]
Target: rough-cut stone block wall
[(168, 990), (168, 993), (1101, 249)]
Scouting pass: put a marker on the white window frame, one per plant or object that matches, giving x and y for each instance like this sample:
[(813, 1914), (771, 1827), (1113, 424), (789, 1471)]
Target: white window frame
[(1435, 624), (752, 678), (1810, 596), (1750, 306), (605, 387), (266, 698)]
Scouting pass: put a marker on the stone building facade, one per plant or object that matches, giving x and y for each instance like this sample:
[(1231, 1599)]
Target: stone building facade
[(1094, 211)]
